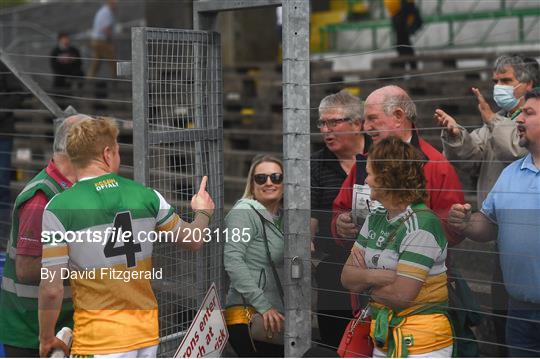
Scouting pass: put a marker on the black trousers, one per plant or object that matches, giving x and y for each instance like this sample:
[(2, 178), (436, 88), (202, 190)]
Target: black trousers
[(499, 297), (333, 300), (320, 352), (16, 352), (241, 343)]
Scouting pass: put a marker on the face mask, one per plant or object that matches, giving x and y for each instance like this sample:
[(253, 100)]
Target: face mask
[(504, 97)]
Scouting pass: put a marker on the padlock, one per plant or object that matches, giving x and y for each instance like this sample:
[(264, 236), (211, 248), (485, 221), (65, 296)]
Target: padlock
[(296, 268)]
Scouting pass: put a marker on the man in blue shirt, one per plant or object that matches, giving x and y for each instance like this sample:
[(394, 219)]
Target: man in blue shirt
[(511, 212), (102, 38)]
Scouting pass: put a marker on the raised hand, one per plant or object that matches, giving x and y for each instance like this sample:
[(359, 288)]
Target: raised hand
[(202, 200), (483, 107), (447, 121)]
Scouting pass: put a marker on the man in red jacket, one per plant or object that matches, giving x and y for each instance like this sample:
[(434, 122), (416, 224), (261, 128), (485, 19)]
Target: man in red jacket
[(390, 111)]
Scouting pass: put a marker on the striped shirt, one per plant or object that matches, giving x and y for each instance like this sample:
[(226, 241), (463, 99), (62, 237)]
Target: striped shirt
[(327, 176)]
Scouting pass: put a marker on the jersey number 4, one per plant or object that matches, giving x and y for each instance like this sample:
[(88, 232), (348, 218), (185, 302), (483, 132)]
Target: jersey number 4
[(122, 225)]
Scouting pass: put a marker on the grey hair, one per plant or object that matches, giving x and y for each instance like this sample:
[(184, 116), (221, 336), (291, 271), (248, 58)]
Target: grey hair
[(343, 100), (391, 102), (525, 68), (63, 125)]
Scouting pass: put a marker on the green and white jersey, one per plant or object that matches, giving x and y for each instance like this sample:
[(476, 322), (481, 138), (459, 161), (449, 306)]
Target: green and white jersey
[(108, 219), (417, 249)]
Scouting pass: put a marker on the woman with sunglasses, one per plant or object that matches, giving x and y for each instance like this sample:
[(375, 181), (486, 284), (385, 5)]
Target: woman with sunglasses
[(254, 261), (399, 258)]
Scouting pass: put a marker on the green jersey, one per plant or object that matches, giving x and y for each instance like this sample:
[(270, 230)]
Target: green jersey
[(413, 244), (108, 253)]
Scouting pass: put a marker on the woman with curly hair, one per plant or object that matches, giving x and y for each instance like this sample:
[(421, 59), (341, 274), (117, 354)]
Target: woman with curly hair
[(399, 258)]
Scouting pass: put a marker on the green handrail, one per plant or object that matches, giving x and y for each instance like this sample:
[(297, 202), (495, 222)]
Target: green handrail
[(457, 17), (503, 12)]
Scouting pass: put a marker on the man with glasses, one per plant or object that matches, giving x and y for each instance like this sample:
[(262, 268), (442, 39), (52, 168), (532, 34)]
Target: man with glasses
[(340, 125), (389, 111)]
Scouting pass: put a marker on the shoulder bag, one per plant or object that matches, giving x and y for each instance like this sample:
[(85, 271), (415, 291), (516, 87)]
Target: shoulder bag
[(246, 314)]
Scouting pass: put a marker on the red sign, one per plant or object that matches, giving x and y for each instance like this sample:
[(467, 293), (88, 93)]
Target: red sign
[(207, 334)]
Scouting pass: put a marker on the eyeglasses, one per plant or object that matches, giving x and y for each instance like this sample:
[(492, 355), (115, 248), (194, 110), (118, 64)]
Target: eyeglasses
[(332, 122), (261, 178)]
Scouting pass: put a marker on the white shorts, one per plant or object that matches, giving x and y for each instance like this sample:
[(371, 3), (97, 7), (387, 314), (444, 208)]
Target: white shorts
[(441, 353), (148, 352)]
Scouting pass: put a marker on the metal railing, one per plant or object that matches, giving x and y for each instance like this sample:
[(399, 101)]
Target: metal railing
[(379, 29)]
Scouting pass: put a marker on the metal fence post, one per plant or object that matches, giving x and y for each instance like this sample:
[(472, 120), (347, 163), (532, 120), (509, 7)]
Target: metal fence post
[(199, 123), (216, 156), (296, 149), (140, 105)]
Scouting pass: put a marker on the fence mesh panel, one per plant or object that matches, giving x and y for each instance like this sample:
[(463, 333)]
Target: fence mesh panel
[(181, 96)]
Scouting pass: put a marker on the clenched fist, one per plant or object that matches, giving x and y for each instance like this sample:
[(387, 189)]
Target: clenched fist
[(345, 226), (459, 216)]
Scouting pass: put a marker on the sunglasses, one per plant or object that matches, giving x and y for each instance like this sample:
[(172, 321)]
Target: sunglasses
[(261, 178)]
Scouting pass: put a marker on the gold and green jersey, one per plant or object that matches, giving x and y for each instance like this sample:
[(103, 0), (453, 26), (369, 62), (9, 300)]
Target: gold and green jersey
[(416, 250), (414, 245), (100, 229)]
